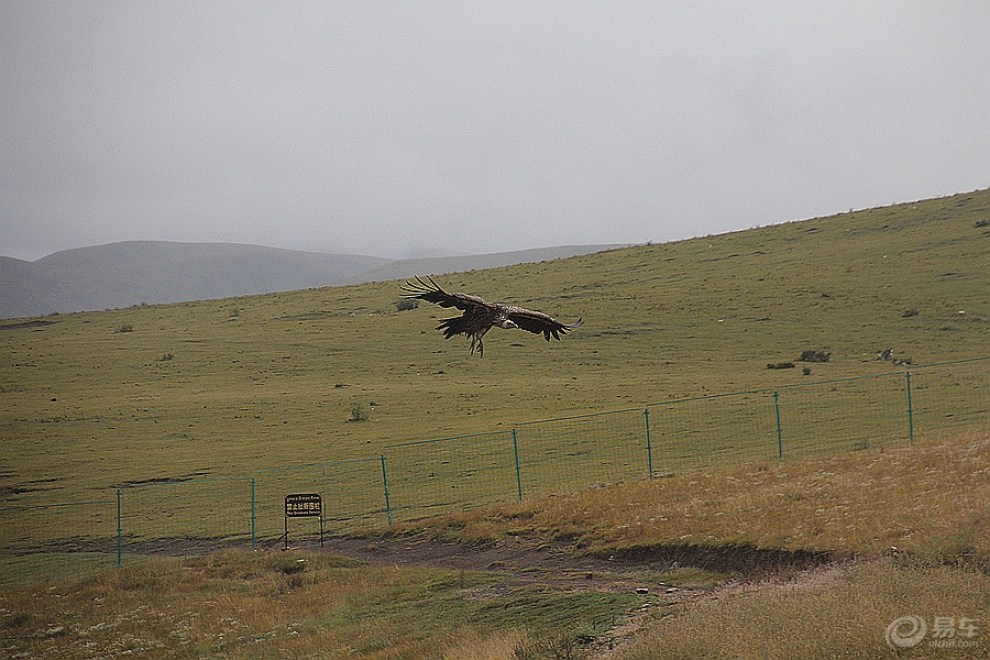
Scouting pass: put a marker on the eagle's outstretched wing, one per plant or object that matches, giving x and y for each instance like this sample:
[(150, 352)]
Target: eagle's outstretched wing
[(480, 315), (432, 292), (538, 322)]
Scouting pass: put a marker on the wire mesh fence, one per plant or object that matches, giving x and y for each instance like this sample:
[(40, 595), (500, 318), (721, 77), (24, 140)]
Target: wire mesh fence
[(425, 478), (352, 492), (843, 415), (48, 542), (561, 455), (270, 488), (946, 399), (450, 474), (185, 517), (714, 430), (356, 494)]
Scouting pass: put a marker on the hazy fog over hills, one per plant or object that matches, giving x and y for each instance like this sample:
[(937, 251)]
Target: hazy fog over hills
[(135, 272), (424, 129)]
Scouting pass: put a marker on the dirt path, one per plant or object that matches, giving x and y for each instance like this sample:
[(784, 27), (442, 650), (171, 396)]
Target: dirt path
[(656, 573), (663, 575), (559, 567), (566, 564)]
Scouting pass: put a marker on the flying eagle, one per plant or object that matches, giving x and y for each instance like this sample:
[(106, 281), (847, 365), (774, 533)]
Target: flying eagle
[(480, 315)]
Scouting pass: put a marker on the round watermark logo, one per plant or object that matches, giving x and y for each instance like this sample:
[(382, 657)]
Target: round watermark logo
[(906, 632)]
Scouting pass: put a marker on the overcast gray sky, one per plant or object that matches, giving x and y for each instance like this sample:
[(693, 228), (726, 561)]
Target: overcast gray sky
[(394, 129)]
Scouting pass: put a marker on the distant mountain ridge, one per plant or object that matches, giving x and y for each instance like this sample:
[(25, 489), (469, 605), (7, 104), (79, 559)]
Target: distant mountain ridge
[(135, 272), (437, 265)]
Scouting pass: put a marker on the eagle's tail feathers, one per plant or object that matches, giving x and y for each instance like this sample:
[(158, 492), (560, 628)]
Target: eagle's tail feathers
[(453, 326)]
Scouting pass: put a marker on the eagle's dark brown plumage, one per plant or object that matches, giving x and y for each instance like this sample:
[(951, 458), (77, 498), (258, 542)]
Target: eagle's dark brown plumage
[(480, 315)]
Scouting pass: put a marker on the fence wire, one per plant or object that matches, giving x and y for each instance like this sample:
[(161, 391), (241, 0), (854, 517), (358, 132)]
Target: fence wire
[(185, 517), (351, 493), (356, 494), (562, 455), (450, 474), (713, 431), (48, 542), (843, 415), (950, 398), (410, 480)]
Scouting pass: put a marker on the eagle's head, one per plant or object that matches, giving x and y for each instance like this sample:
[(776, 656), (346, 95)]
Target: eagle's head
[(507, 324)]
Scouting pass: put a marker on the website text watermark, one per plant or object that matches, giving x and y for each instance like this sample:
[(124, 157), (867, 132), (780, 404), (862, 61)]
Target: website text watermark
[(946, 632)]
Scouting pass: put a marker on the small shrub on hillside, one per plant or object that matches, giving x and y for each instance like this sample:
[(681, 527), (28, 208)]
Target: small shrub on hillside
[(358, 413), (126, 327), (814, 356), (406, 304), (780, 365)]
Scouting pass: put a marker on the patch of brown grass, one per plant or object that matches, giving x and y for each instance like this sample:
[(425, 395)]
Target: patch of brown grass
[(930, 499), (842, 617), (229, 604), (236, 604), (502, 645)]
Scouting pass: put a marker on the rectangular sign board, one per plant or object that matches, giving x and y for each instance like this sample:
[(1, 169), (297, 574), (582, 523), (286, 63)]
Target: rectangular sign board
[(303, 505)]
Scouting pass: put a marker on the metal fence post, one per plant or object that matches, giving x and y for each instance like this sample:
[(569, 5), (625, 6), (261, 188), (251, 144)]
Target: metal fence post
[(515, 452), (649, 443), (780, 430), (120, 534), (388, 499), (910, 409), (254, 515)]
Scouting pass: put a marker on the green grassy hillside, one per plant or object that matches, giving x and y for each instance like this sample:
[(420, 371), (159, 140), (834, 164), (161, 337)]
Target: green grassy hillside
[(228, 387), (202, 390), (737, 551)]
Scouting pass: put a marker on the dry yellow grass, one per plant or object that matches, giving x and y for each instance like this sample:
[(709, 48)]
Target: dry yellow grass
[(930, 499), (844, 615), (493, 646), (236, 604), (87, 405), (916, 519)]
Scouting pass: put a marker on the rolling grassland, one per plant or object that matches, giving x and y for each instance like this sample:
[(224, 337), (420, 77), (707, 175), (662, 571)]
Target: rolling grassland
[(223, 388), (897, 532), (790, 561), (231, 388)]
